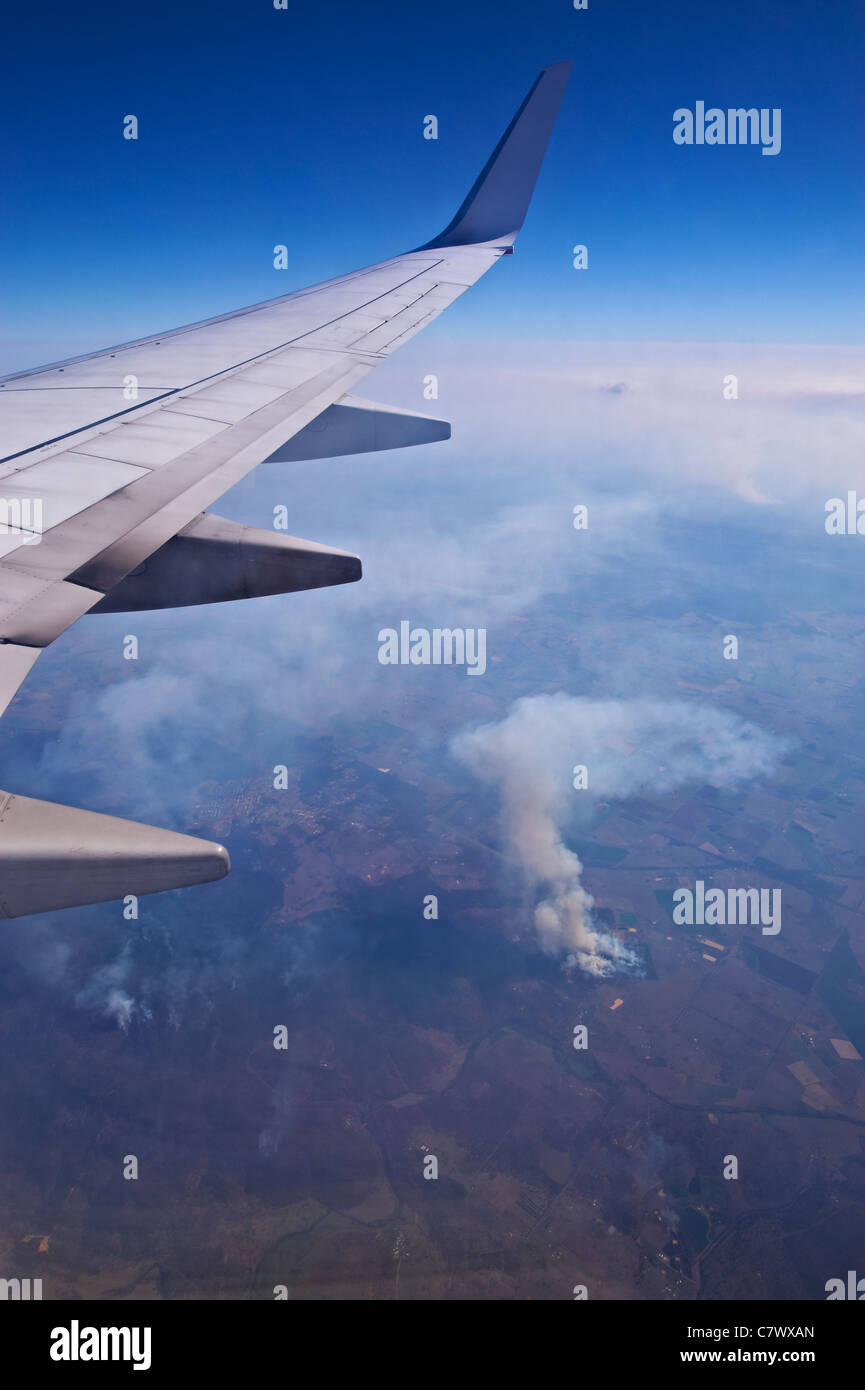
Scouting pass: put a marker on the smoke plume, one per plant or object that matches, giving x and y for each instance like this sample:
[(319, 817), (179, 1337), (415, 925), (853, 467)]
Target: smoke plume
[(628, 747)]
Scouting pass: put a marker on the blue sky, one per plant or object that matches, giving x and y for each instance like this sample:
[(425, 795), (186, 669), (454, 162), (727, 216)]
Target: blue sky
[(303, 127)]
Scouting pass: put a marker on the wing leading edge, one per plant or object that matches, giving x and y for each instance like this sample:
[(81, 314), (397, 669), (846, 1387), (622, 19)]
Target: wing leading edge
[(123, 488)]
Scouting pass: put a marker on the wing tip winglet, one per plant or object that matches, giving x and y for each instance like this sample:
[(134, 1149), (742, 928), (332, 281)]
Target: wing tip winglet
[(498, 200)]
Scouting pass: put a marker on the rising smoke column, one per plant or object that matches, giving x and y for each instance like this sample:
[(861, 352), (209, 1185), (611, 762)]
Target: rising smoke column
[(629, 747)]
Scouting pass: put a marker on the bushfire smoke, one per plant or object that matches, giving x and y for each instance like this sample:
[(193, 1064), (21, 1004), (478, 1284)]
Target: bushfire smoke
[(627, 747)]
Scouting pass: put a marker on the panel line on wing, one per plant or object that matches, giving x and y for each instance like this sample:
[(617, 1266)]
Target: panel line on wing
[(234, 367)]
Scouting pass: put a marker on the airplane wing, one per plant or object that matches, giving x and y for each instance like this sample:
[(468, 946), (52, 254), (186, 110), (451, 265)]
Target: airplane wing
[(109, 462)]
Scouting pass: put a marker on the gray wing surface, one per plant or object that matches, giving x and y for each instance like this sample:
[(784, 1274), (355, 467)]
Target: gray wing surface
[(105, 496)]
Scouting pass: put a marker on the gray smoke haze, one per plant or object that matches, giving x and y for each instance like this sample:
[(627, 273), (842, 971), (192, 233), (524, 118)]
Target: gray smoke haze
[(628, 747), (455, 534)]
